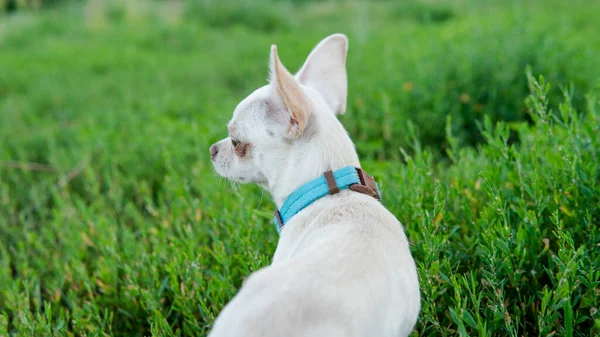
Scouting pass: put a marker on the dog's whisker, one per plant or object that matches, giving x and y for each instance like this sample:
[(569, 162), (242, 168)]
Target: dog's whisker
[(262, 195)]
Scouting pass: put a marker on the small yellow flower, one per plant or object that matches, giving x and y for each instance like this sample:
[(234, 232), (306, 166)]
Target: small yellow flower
[(86, 240), (408, 86)]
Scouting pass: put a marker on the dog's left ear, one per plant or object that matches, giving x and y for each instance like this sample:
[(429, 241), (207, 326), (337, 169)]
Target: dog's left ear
[(325, 71), (291, 94)]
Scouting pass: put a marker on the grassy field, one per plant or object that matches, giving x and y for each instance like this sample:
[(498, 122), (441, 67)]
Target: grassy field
[(112, 222)]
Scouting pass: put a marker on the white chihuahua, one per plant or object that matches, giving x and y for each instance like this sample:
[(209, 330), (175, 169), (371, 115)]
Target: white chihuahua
[(343, 265)]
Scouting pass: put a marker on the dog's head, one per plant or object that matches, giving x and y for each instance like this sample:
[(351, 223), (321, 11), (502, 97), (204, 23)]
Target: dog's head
[(286, 133)]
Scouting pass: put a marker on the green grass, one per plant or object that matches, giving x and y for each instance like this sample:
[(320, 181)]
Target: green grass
[(113, 223)]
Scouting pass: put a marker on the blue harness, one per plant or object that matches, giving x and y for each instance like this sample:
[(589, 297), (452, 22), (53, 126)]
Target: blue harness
[(331, 183)]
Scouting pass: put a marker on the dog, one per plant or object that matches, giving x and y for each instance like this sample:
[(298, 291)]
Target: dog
[(342, 266)]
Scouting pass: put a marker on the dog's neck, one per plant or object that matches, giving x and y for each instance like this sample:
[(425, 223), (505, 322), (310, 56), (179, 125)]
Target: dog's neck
[(310, 157)]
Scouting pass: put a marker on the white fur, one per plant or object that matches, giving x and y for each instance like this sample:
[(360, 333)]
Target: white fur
[(343, 265)]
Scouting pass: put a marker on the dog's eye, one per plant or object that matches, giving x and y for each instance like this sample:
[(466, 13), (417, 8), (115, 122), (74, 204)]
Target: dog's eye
[(235, 142)]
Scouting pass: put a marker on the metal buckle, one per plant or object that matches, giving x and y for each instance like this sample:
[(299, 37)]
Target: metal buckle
[(278, 217), (367, 185)]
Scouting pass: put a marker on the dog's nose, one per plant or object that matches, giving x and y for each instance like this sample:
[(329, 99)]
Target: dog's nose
[(213, 151)]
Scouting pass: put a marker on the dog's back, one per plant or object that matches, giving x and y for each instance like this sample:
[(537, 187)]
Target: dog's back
[(357, 253)]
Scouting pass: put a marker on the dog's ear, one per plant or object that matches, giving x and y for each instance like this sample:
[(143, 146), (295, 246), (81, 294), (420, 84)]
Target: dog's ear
[(288, 90), (325, 71)]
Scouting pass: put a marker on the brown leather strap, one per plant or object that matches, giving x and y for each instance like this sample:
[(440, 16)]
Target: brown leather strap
[(367, 185), (331, 184)]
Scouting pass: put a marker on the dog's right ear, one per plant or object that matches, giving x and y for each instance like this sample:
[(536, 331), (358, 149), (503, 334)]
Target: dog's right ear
[(290, 94)]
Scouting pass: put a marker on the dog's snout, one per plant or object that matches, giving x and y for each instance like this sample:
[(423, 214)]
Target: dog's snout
[(213, 151)]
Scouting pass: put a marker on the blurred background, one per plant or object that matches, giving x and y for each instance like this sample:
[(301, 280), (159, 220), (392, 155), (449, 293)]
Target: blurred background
[(411, 62), (109, 210)]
